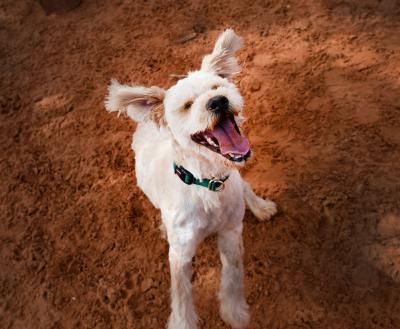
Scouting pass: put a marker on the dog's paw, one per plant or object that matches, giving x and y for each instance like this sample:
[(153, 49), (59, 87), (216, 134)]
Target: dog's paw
[(235, 313), (175, 322), (264, 209)]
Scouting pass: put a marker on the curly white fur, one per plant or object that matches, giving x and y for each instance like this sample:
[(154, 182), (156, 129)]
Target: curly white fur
[(191, 213)]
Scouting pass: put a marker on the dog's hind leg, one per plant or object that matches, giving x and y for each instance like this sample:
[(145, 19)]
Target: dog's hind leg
[(262, 209), (234, 309)]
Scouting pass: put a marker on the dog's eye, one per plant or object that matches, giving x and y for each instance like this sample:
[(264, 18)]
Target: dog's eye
[(187, 105), (214, 87)]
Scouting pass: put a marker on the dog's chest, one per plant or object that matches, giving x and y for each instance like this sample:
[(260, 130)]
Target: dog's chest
[(227, 214), (207, 212)]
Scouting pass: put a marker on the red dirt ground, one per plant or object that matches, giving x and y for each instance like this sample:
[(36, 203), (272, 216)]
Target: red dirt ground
[(80, 244)]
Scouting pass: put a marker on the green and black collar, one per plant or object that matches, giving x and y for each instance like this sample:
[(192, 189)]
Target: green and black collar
[(215, 185)]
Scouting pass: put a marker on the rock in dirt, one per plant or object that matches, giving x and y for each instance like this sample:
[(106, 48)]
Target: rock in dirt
[(59, 6), (188, 37)]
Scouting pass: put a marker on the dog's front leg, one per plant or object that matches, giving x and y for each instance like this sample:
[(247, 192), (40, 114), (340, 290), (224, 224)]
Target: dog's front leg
[(234, 309), (183, 315)]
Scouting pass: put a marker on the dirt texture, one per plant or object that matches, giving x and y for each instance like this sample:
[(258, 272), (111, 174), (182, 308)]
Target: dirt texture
[(80, 244)]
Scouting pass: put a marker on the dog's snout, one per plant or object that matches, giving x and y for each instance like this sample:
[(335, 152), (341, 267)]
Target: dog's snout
[(218, 104)]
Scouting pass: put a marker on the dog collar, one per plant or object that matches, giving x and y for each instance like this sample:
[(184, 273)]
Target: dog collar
[(215, 185)]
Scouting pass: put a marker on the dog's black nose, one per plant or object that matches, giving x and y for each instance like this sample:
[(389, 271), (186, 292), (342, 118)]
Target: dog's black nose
[(218, 104)]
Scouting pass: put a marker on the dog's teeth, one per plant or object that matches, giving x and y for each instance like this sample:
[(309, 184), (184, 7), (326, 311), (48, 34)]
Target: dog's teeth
[(235, 156), (211, 142)]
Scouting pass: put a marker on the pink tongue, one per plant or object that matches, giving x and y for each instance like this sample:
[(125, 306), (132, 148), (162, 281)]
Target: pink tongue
[(229, 140)]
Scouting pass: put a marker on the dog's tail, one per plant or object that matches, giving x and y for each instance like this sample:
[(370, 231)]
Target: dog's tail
[(262, 209)]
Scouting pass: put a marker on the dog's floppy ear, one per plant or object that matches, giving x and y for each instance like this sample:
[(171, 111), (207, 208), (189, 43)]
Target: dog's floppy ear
[(140, 103), (222, 60)]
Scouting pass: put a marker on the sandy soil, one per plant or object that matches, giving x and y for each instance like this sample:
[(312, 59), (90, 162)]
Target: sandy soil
[(80, 245)]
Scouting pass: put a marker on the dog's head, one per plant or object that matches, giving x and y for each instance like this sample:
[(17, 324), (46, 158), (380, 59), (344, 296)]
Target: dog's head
[(203, 111)]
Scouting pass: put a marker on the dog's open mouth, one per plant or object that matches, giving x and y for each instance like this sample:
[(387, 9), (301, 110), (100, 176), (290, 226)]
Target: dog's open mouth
[(225, 139)]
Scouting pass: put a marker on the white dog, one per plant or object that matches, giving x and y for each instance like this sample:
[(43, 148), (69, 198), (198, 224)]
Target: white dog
[(188, 150)]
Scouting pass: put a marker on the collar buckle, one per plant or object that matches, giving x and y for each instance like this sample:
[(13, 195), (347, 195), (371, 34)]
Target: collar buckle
[(216, 185)]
